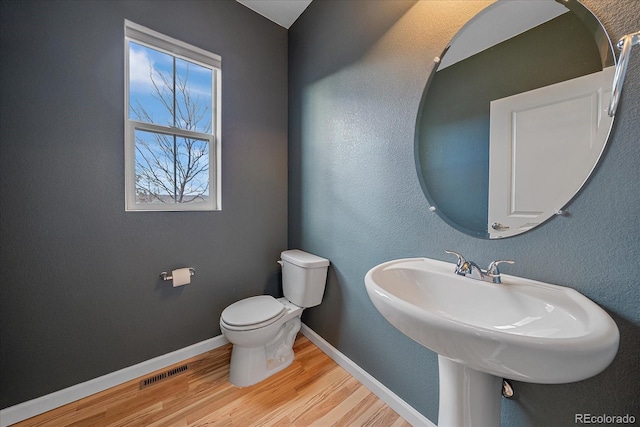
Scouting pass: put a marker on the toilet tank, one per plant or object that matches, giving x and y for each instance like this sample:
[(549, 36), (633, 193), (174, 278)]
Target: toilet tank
[(304, 276)]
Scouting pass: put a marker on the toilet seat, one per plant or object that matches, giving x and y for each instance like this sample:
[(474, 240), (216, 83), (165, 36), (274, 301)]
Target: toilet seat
[(252, 313)]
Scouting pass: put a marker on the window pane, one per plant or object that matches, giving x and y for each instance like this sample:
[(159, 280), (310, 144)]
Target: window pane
[(150, 85), (192, 170), (171, 169), (193, 96), (154, 156)]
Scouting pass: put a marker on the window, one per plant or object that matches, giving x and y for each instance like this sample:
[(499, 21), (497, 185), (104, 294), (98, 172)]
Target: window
[(172, 124)]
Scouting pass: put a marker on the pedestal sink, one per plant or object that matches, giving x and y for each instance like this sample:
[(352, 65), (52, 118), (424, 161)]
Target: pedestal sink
[(520, 329)]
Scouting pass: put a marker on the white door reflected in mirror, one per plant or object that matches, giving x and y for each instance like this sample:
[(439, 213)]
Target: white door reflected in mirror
[(544, 144)]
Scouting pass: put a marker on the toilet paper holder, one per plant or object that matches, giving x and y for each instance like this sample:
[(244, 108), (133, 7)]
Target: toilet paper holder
[(165, 276)]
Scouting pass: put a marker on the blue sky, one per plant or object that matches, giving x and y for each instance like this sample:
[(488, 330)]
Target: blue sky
[(145, 63)]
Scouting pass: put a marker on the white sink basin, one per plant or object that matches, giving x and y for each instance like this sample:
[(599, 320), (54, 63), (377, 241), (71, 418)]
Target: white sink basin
[(521, 329)]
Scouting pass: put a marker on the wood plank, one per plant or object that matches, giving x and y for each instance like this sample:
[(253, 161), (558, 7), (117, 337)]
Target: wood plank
[(313, 391)]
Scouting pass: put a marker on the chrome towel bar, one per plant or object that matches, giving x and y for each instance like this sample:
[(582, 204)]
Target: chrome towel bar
[(624, 45)]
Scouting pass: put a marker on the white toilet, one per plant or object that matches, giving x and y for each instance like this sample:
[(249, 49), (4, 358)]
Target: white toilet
[(262, 329)]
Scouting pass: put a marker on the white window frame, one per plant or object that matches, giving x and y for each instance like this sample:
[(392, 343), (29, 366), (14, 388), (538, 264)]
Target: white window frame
[(154, 40)]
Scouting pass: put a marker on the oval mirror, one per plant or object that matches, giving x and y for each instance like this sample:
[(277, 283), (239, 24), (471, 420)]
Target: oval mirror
[(513, 119)]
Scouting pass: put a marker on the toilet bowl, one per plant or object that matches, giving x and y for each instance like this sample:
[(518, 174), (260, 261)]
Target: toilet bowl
[(263, 329)]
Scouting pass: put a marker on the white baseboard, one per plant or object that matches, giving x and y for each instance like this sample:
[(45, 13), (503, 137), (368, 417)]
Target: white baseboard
[(403, 409), (31, 408)]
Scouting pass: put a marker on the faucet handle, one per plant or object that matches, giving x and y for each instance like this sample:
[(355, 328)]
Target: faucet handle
[(493, 267), (460, 265), (461, 259)]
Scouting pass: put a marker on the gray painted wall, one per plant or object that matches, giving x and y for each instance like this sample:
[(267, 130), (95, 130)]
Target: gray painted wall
[(80, 293), (356, 72)]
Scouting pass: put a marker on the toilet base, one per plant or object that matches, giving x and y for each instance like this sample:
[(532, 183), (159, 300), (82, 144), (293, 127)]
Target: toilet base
[(250, 365)]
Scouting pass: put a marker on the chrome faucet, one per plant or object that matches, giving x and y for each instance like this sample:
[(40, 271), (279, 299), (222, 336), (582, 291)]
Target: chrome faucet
[(470, 269)]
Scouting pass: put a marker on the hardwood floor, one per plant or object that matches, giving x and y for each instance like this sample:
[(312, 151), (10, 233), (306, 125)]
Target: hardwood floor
[(313, 391)]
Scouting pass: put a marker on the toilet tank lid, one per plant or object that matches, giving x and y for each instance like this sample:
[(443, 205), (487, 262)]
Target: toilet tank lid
[(303, 259)]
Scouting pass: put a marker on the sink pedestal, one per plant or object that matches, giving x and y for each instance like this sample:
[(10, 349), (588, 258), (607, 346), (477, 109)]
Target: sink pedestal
[(467, 397)]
